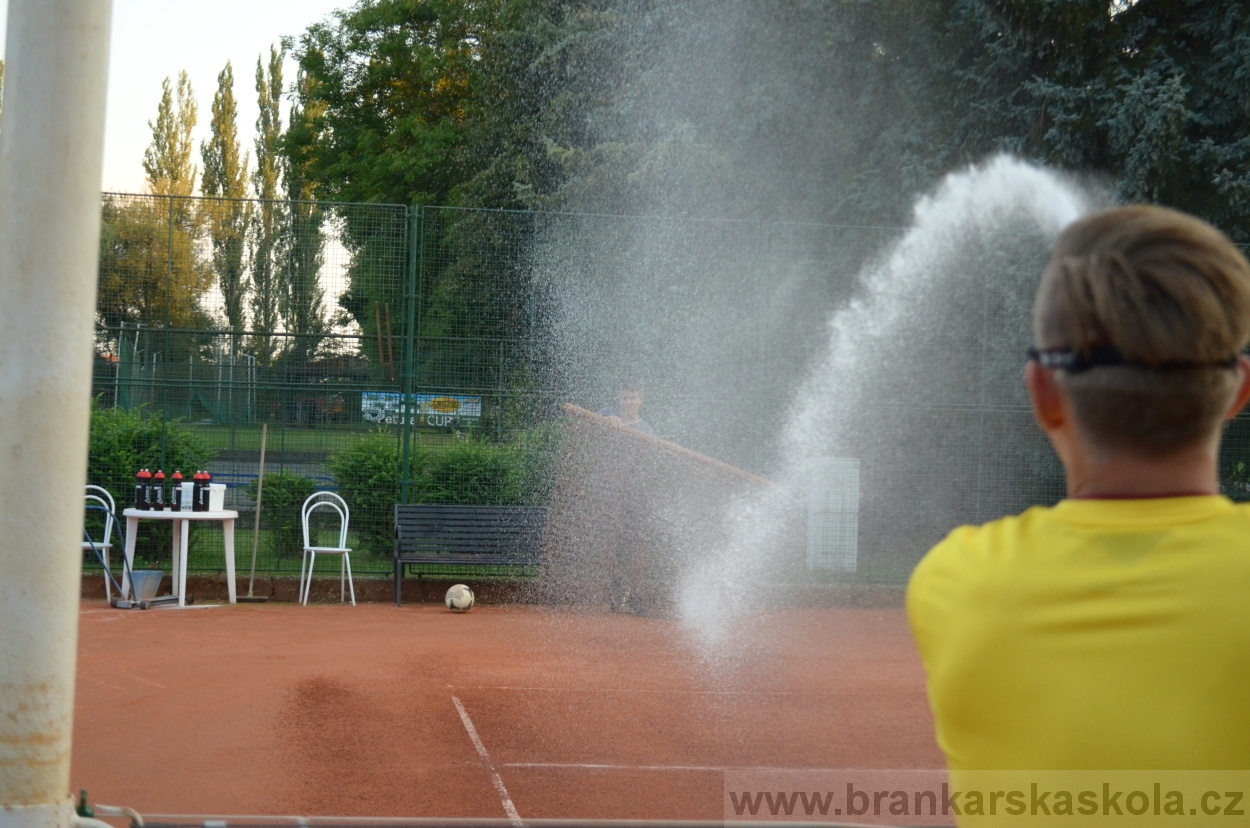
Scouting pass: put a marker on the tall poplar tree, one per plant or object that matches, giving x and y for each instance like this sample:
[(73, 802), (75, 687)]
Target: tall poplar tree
[(225, 178), (302, 299), (149, 266), (168, 159), (267, 224)]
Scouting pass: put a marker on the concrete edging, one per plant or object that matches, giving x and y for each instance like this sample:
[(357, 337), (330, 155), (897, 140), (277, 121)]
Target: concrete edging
[(325, 589)]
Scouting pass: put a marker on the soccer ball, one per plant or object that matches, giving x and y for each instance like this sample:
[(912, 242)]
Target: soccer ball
[(459, 598)]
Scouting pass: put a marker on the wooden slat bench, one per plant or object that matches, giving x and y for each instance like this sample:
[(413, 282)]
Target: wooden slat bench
[(465, 536)]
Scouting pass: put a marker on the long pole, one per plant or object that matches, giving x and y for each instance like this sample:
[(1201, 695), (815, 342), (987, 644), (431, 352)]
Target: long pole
[(51, 158), (260, 490), (121, 349), (412, 297)]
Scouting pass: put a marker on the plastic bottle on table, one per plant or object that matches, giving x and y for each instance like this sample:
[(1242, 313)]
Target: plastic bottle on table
[(201, 495), (158, 491), (175, 492), (143, 483)]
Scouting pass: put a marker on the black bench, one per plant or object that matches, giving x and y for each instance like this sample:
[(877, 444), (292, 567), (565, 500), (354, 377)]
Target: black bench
[(465, 536)]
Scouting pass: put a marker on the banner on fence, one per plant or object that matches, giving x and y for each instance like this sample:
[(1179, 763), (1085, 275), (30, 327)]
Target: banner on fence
[(434, 410)]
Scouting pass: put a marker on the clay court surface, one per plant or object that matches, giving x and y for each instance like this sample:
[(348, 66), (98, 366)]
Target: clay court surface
[(352, 711)]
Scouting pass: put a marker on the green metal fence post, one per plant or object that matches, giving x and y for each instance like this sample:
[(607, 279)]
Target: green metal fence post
[(412, 297), (169, 317)]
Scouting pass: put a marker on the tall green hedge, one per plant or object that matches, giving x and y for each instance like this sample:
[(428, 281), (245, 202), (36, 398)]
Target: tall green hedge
[(123, 441), (467, 473), (367, 475), (282, 501)]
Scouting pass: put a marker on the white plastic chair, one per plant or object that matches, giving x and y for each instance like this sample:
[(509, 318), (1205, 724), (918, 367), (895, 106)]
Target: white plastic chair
[(100, 497), (327, 500)]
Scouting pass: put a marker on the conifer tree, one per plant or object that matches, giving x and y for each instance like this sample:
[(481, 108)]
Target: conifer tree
[(225, 178), (267, 224)]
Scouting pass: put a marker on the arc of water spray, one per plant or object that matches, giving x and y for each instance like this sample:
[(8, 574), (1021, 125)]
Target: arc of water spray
[(984, 199)]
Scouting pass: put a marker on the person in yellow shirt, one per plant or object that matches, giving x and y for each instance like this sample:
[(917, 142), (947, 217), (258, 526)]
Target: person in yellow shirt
[(1111, 631)]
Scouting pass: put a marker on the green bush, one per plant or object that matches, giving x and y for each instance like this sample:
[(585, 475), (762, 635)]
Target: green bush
[(367, 476), (283, 498), (471, 472), (467, 473), (123, 441)]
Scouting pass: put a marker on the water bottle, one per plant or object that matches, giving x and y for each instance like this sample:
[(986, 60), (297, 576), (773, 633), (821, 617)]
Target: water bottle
[(158, 491), (143, 482), (197, 492), (175, 492)]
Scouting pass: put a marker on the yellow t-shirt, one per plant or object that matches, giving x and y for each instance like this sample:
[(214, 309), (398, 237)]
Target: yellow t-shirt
[(1097, 634)]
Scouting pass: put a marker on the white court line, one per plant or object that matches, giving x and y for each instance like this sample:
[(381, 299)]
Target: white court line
[(709, 768), (644, 690), (136, 677), (495, 779), (593, 766), (117, 612)]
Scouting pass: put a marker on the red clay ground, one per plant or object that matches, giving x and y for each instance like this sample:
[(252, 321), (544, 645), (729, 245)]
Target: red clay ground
[(340, 710)]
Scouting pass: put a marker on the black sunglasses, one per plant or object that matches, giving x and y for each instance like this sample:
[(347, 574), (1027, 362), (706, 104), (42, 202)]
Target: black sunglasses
[(1074, 362)]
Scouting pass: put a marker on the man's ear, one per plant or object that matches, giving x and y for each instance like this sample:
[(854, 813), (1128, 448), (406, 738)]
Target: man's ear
[(1243, 388), (1049, 406)]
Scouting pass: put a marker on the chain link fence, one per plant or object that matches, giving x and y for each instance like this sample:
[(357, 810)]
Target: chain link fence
[(220, 318), (423, 355)]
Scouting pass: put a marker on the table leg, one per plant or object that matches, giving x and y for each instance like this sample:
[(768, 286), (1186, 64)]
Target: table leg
[(177, 558), (227, 526), (132, 529), (182, 574)]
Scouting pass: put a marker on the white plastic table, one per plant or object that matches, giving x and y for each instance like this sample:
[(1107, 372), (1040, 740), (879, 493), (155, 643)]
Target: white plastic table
[(182, 532)]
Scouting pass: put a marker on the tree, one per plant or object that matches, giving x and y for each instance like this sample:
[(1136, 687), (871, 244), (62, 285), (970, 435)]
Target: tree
[(836, 112), (302, 298), (1151, 94), (388, 86), (544, 65), (267, 224), (393, 79), (149, 275), (167, 160), (710, 107), (225, 178)]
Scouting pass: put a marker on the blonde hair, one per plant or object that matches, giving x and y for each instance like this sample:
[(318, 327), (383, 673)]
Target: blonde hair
[(1169, 296)]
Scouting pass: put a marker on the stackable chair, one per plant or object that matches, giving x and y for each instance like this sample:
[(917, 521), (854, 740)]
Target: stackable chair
[(326, 501), (98, 499)]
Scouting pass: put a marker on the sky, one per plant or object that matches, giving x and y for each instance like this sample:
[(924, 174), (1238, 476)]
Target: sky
[(155, 39)]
